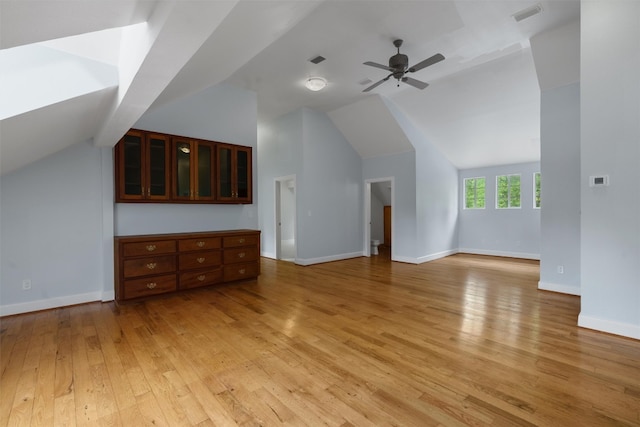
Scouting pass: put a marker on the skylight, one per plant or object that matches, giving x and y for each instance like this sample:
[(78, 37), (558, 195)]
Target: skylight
[(37, 75)]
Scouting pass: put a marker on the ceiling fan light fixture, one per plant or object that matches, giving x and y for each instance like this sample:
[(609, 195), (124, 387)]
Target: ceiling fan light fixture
[(315, 83), (527, 13)]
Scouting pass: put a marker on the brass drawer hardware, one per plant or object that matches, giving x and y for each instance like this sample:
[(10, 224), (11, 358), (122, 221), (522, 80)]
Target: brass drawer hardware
[(151, 248)]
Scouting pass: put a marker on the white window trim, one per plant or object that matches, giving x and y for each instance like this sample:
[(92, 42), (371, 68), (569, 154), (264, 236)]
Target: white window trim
[(534, 190), (508, 198), (464, 193)]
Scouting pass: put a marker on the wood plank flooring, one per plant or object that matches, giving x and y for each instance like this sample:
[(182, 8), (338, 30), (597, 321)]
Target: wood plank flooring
[(465, 340)]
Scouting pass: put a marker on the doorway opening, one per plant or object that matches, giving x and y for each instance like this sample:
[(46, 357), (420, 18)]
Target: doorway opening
[(285, 218), (378, 206)]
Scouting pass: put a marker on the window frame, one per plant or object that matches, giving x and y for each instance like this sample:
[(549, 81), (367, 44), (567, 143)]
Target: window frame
[(509, 191), (475, 191), (537, 188)]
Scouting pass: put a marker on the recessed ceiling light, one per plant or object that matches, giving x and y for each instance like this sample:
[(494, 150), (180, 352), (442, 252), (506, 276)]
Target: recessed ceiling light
[(315, 83)]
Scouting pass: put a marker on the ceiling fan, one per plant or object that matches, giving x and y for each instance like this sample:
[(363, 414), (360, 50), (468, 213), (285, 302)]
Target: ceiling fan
[(399, 66)]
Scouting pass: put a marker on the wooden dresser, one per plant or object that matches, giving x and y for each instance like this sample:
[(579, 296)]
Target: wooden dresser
[(158, 263)]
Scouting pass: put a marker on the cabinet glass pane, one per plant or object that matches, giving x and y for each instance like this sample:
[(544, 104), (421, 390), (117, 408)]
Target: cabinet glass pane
[(132, 165), (204, 171), (224, 179), (157, 172), (183, 165), (242, 172)]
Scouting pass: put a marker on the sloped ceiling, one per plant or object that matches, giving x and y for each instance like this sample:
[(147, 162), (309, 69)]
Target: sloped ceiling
[(170, 49)]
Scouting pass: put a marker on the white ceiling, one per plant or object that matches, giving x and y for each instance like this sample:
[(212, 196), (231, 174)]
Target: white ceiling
[(481, 107)]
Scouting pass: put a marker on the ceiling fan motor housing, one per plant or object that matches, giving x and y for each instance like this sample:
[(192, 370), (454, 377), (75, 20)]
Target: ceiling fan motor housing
[(399, 62)]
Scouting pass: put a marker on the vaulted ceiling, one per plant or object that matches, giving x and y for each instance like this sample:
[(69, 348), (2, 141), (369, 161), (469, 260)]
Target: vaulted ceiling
[(74, 71)]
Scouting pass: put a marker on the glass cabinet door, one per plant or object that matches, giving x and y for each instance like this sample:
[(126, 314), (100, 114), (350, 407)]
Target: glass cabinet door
[(204, 172), (243, 176), (130, 158), (182, 154), (225, 173), (157, 167)]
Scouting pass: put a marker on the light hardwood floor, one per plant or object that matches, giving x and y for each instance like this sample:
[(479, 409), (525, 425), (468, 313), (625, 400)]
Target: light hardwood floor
[(465, 340)]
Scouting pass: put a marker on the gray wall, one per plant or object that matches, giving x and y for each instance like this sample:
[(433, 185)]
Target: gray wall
[(402, 167), (610, 129), (279, 154), (502, 232), (436, 195), (53, 218), (329, 187), (560, 167)]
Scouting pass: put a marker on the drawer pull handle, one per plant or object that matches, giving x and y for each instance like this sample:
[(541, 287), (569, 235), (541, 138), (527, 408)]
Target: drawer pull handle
[(151, 248), (241, 255), (200, 260), (241, 240), (242, 271), (151, 285), (202, 277), (151, 265), (200, 244)]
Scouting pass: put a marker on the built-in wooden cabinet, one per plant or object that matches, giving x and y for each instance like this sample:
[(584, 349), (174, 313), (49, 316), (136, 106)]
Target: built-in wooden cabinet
[(161, 168), (142, 167), (234, 173), (155, 264)]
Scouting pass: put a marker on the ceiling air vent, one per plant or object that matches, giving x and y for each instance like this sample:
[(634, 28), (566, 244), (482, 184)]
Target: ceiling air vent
[(318, 59), (365, 82), (527, 13)]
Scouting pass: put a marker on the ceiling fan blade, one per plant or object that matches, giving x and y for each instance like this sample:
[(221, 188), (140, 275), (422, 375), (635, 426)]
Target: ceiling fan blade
[(375, 85), (375, 64), (415, 83), (427, 62)]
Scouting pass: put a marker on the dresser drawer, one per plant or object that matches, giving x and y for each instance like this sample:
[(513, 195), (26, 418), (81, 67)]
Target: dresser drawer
[(199, 260), (240, 271), (149, 286), (149, 248), (249, 253), (151, 265), (199, 244), (196, 279), (241, 240)]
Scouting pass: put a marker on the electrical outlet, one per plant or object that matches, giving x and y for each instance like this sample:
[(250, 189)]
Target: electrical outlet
[(560, 269), (26, 284)]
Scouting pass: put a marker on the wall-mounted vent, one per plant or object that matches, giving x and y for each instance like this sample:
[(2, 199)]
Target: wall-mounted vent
[(527, 13), (318, 59)]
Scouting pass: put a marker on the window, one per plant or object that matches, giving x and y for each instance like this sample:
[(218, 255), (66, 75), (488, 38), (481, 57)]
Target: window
[(474, 193), (507, 191), (536, 190)]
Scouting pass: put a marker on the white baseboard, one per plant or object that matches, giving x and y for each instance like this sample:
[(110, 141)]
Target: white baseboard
[(108, 296), (563, 289), (268, 255), (436, 256), (426, 258), (523, 255), (609, 326), (46, 304), (320, 260)]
